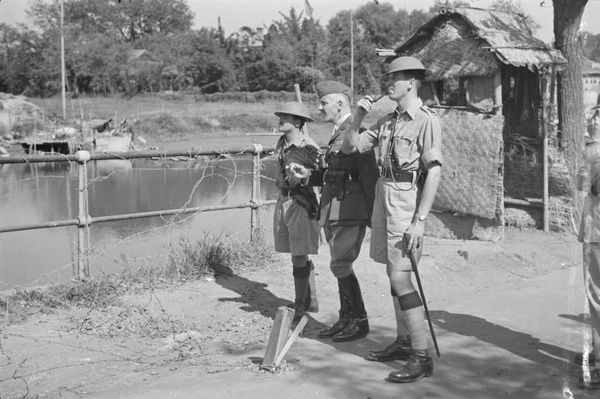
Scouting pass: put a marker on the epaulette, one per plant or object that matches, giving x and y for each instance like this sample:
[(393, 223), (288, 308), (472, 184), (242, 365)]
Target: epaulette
[(309, 142), (428, 110)]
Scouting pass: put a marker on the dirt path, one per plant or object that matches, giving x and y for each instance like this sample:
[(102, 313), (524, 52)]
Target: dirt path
[(508, 317)]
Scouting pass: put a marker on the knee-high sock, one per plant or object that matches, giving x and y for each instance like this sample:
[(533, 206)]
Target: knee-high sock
[(401, 325), (412, 307)]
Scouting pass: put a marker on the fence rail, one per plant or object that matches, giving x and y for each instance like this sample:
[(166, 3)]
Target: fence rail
[(84, 219)]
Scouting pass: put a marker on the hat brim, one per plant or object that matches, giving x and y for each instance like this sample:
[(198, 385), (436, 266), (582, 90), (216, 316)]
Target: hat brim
[(595, 107), (306, 118), (426, 72)]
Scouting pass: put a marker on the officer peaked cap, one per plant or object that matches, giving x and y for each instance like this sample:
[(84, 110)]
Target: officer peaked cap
[(406, 63), (296, 109), (331, 86)]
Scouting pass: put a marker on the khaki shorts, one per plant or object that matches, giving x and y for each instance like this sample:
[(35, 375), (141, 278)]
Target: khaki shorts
[(293, 231), (394, 208)]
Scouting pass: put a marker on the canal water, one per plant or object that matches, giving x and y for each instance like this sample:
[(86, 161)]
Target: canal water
[(40, 193)]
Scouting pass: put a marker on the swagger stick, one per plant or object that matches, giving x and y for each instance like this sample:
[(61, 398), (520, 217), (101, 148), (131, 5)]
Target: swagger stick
[(414, 257)]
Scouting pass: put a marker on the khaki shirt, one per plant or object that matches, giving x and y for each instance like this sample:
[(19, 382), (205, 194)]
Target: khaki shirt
[(304, 151), (590, 218), (410, 139)]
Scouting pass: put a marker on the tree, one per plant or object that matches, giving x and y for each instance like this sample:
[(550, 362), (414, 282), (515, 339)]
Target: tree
[(567, 19), (516, 8), (375, 26), (294, 50), (19, 57), (209, 68)]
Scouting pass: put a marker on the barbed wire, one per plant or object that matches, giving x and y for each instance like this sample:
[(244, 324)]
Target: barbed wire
[(224, 166)]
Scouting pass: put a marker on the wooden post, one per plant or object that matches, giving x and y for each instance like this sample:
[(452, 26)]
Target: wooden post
[(279, 334), (498, 92), (299, 98), (255, 212), (544, 91), (434, 93)]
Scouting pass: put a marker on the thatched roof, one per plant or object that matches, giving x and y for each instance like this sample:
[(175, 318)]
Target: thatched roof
[(466, 41)]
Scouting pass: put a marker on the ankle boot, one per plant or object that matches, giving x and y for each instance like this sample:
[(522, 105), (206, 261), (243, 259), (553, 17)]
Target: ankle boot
[(419, 365), (358, 325), (342, 321), (311, 304), (299, 311), (400, 349)]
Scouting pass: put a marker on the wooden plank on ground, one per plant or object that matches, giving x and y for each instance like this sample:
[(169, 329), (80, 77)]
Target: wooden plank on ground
[(279, 334), (291, 339)]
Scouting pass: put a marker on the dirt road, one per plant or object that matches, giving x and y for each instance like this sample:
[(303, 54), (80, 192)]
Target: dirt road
[(508, 318)]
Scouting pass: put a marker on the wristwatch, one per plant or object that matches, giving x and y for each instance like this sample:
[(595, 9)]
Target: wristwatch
[(421, 217)]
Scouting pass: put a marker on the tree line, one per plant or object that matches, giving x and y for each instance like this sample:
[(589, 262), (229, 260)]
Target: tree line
[(149, 45)]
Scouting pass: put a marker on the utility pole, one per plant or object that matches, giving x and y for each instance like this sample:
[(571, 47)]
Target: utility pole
[(62, 57), (351, 57)]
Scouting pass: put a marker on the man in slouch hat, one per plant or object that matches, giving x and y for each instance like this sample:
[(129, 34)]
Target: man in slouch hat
[(295, 225)]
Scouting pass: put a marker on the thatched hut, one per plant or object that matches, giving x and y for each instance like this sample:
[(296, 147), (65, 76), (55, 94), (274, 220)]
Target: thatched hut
[(489, 77)]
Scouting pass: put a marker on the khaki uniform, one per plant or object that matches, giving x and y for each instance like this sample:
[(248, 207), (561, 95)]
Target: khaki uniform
[(346, 202), (295, 226), (408, 142), (589, 235)]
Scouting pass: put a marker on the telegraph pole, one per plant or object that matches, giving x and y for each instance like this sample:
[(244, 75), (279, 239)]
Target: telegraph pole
[(62, 57), (351, 57)]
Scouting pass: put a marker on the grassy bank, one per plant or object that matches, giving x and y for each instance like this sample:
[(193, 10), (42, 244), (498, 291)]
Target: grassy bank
[(168, 117), (188, 260)]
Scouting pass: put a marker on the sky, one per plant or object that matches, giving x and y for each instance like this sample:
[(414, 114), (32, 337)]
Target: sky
[(258, 13)]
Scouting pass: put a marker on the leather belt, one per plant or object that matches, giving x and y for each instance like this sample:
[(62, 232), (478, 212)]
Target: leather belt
[(289, 191), (332, 176), (398, 175)]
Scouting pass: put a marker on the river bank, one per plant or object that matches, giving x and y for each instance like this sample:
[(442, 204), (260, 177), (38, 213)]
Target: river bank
[(507, 315)]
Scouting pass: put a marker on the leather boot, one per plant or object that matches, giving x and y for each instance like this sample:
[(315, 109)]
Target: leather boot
[(358, 325), (419, 365), (400, 349), (299, 311), (300, 288), (342, 321), (311, 304)]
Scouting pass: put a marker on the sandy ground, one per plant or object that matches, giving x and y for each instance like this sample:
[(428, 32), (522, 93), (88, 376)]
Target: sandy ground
[(508, 317)]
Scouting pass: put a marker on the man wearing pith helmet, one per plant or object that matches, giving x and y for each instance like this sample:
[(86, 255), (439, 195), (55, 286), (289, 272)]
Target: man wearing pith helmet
[(295, 225), (345, 209), (410, 157)]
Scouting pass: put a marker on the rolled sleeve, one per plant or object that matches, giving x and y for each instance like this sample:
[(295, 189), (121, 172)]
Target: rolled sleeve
[(434, 155), (367, 139), (431, 145)]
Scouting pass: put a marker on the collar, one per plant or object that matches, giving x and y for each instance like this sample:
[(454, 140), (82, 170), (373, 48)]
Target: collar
[(341, 120), (298, 140), (412, 110)]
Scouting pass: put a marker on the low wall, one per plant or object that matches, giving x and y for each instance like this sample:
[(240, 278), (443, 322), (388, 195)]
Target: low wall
[(469, 203)]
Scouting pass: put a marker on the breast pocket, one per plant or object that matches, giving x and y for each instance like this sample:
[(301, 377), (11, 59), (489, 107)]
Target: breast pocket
[(406, 150)]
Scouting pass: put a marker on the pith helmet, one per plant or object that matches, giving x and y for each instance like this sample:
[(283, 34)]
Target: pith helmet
[(296, 109), (406, 64)]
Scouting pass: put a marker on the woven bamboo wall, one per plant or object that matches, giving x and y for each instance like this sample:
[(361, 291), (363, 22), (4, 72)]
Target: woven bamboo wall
[(472, 174)]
